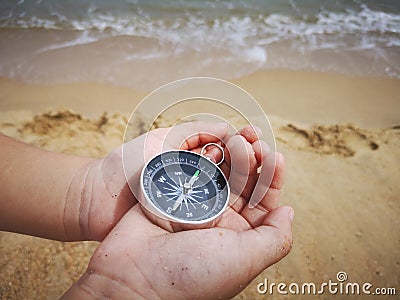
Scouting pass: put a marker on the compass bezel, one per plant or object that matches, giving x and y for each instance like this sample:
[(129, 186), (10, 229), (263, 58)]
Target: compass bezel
[(154, 209)]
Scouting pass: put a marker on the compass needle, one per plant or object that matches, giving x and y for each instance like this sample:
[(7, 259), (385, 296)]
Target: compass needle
[(194, 177), (178, 202)]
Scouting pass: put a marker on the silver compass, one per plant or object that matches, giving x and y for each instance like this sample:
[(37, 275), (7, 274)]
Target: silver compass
[(185, 187)]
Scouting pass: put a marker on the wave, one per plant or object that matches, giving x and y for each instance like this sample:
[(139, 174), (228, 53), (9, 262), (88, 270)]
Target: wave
[(229, 38), (195, 31), (83, 39)]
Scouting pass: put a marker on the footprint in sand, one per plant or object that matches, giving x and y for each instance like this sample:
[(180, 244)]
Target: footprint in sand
[(342, 140)]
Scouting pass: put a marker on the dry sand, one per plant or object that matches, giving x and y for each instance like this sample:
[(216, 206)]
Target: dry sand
[(341, 139)]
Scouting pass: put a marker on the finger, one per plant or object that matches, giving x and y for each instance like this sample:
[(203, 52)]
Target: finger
[(266, 159), (251, 133), (243, 166), (270, 201), (268, 243), (226, 165), (191, 135), (214, 153)]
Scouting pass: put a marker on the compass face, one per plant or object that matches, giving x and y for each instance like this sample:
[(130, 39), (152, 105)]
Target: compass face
[(185, 187)]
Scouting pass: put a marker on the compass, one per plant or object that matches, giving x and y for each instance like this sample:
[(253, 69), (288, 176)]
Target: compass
[(185, 187)]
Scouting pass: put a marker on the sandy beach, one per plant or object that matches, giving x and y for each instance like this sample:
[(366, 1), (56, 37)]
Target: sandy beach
[(341, 138)]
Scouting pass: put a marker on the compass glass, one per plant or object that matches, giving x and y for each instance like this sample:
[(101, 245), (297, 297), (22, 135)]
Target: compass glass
[(184, 186)]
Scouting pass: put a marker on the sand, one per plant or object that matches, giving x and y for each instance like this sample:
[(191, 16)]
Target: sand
[(341, 139)]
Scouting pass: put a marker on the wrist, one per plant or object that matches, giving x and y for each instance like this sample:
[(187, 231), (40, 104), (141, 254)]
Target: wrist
[(97, 199), (77, 201)]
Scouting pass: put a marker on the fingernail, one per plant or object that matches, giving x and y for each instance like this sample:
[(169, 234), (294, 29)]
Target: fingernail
[(291, 214)]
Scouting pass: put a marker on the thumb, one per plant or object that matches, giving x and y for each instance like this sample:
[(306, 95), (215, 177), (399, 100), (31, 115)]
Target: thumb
[(270, 242)]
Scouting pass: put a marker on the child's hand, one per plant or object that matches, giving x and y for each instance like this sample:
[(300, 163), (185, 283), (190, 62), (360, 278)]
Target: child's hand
[(141, 259), (99, 195)]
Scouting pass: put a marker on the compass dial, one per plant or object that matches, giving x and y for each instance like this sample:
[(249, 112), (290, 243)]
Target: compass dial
[(185, 187)]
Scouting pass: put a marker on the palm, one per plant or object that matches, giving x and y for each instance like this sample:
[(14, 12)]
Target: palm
[(219, 261), (194, 264), (110, 196)]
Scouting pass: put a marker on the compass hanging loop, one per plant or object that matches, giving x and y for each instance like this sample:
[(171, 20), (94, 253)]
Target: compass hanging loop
[(216, 145)]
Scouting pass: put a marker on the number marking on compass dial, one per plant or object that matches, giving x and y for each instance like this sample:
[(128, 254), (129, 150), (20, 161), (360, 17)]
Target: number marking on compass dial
[(184, 186)]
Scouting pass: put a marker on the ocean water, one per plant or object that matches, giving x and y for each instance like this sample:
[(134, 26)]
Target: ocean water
[(146, 43)]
